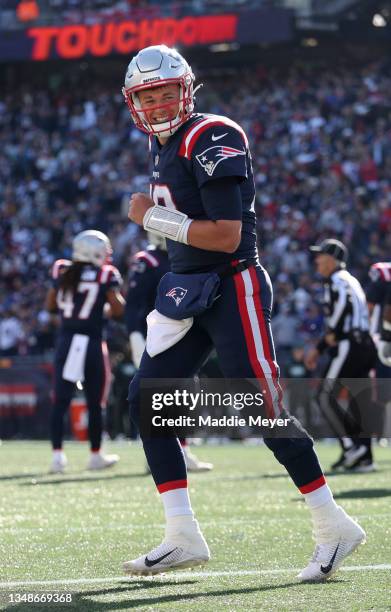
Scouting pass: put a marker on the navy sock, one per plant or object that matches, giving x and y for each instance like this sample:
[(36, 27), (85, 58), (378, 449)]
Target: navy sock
[(165, 460), (298, 457)]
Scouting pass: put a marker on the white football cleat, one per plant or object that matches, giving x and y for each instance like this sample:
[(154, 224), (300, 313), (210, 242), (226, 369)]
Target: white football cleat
[(58, 464), (363, 466), (180, 550), (193, 464), (336, 538), (98, 461)]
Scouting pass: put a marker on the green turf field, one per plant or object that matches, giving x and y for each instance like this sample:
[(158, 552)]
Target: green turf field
[(71, 533)]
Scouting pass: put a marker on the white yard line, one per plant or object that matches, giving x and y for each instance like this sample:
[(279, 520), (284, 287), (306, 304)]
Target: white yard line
[(184, 575)]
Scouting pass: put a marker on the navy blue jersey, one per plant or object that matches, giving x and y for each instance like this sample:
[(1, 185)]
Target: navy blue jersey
[(380, 276), (82, 312), (146, 270), (376, 292), (205, 148)]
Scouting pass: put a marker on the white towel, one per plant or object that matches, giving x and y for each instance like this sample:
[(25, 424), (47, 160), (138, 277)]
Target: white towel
[(164, 332), (74, 364)]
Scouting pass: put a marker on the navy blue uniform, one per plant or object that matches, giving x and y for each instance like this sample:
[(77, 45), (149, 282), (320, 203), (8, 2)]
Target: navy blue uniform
[(205, 148), (146, 270), (82, 313), (376, 292), (208, 148), (387, 299), (380, 282)]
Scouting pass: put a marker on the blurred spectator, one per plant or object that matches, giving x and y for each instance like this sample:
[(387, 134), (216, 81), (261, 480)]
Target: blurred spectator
[(320, 135), (299, 390), (11, 334), (285, 326)]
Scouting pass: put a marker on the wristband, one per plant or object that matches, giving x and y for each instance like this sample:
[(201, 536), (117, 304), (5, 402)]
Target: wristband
[(171, 224)]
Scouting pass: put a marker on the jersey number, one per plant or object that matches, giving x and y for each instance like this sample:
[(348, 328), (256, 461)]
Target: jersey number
[(161, 195), (66, 304)]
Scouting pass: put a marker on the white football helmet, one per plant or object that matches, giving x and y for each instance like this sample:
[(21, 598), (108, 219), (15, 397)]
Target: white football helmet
[(155, 66), (91, 246)]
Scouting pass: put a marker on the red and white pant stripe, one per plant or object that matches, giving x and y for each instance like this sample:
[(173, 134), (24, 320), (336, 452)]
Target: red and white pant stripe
[(258, 340)]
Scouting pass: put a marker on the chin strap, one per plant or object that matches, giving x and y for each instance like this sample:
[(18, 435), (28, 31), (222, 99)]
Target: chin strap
[(197, 88)]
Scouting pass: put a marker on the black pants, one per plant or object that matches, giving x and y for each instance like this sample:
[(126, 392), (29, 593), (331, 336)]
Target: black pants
[(348, 368), (96, 382)]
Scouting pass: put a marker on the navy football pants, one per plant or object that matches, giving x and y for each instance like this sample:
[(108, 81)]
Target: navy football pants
[(96, 382), (238, 327)]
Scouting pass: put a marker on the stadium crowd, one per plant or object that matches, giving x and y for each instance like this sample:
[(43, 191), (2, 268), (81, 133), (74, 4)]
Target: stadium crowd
[(70, 157), (17, 13)]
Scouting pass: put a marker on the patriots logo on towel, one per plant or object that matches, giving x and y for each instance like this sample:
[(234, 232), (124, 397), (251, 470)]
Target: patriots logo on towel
[(177, 294), (211, 157)]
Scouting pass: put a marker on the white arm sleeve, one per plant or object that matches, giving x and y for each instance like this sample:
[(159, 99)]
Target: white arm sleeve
[(137, 346), (384, 352), (168, 223)]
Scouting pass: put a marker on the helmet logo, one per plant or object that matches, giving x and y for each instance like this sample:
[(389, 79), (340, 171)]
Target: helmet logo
[(156, 78), (177, 294)]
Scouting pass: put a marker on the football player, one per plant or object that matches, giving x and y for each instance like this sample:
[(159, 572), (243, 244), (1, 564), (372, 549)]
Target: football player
[(83, 289), (147, 268), (376, 292), (384, 348), (203, 202), (350, 353)]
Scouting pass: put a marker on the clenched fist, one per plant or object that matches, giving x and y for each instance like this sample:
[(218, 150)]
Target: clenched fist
[(138, 206)]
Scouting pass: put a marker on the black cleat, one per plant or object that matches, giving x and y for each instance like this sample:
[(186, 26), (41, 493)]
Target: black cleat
[(340, 463), (363, 465)]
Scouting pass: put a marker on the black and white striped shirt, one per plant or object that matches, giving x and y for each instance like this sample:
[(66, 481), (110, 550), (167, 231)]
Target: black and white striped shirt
[(345, 305)]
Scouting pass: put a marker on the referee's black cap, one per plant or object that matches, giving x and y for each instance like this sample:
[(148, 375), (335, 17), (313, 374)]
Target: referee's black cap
[(332, 247)]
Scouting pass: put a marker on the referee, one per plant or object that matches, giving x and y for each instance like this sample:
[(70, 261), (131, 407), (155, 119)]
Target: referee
[(350, 351)]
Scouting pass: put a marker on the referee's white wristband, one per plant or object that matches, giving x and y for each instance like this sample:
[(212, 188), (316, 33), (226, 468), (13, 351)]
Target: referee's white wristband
[(166, 222)]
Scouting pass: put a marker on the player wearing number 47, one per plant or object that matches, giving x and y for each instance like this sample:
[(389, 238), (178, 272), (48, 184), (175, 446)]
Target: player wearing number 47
[(83, 290)]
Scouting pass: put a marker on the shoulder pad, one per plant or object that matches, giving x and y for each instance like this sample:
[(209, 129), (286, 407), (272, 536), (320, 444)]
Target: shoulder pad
[(107, 273), (145, 256), (380, 271), (59, 267), (206, 123)]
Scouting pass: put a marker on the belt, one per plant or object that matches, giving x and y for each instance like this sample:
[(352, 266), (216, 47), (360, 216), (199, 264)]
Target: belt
[(236, 268)]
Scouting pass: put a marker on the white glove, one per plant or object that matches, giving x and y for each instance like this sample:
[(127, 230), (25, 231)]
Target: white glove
[(137, 346), (384, 352)]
